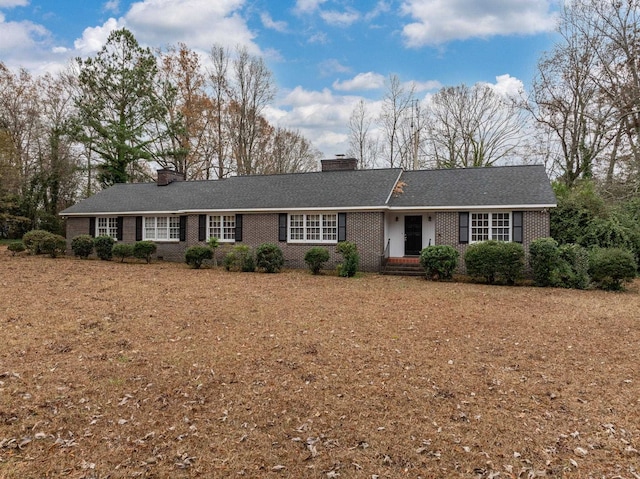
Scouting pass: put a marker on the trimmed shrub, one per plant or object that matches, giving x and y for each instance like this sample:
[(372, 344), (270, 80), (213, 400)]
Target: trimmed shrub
[(572, 270), (82, 246), (122, 251), (144, 250), (104, 247), (543, 259), (16, 247), (269, 258), (240, 258), (439, 261), (53, 245), (315, 258), (195, 255), (33, 240), (351, 259), (494, 260), (610, 268)]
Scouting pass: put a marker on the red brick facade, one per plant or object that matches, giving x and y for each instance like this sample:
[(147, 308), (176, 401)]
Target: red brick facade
[(535, 224), (365, 229)]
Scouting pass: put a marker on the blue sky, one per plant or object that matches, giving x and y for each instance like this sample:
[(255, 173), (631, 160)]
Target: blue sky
[(326, 55)]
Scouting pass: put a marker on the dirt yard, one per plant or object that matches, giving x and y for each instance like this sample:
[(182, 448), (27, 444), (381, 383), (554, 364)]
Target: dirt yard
[(112, 370)]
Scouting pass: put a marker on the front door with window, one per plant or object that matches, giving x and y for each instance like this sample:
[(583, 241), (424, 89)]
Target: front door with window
[(412, 235)]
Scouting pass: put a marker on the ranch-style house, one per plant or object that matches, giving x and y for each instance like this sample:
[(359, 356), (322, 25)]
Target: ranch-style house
[(390, 214)]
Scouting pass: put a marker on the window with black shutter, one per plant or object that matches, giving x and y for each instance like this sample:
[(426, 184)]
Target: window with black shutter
[(517, 217), (92, 226), (202, 227), (183, 228), (238, 235), (138, 228), (120, 228), (342, 227), (463, 227), (282, 227)]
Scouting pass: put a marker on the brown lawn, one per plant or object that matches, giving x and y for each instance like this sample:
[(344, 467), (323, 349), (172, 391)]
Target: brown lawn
[(112, 370)]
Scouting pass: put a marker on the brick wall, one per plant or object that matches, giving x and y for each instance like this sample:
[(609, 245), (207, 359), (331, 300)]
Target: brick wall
[(364, 229), (535, 224)]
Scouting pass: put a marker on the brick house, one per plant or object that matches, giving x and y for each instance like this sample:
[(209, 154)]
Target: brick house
[(389, 213)]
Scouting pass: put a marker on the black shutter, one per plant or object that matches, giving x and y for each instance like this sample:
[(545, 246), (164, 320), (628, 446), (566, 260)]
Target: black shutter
[(463, 222), (202, 227), (120, 227), (138, 228), (92, 226), (238, 236), (282, 227), (342, 227), (183, 228), (517, 226)]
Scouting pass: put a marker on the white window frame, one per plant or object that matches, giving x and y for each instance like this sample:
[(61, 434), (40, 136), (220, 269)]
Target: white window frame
[(315, 228), (222, 227), (161, 228), (494, 223), (107, 226)]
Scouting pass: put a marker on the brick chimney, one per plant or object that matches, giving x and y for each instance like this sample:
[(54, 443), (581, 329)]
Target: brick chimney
[(339, 163), (166, 177)]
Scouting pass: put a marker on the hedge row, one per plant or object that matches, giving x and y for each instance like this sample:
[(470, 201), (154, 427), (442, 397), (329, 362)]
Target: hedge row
[(567, 266)]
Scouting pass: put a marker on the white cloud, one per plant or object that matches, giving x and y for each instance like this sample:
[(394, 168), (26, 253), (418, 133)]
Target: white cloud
[(13, 3), (270, 23), (198, 23), (112, 6), (93, 38), (320, 116), (508, 86), (331, 66), (362, 81), (380, 8), (440, 21), (340, 19), (307, 6)]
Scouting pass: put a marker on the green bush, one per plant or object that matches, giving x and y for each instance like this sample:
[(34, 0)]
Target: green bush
[(104, 247), (16, 247), (572, 270), (610, 268), (240, 258), (439, 261), (351, 259), (33, 240), (195, 255), (269, 258), (214, 243), (53, 245), (543, 259), (122, 251), (144, 250), (494, 260), (315, 258), (82, 246)]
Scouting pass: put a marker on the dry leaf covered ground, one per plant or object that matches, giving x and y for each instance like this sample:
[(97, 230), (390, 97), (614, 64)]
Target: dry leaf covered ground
[(112, 370)]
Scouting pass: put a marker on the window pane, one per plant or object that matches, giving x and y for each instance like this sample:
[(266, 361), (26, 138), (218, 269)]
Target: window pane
[(479, 226), (313, 227), (229, 227), (296, 227), (330, 227), (500, 229), (174, 227)]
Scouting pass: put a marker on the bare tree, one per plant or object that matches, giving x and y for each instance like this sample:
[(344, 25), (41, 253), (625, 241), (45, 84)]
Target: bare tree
[(472, 127), (362, 144), (394, 117), (219, 82), (252, 90), (288, 151)]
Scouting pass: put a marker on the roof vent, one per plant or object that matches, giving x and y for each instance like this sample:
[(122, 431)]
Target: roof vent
[(340, 163)]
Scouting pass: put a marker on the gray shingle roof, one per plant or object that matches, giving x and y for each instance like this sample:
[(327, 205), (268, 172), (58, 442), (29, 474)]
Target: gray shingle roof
[(331, 190), (496, 186)]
